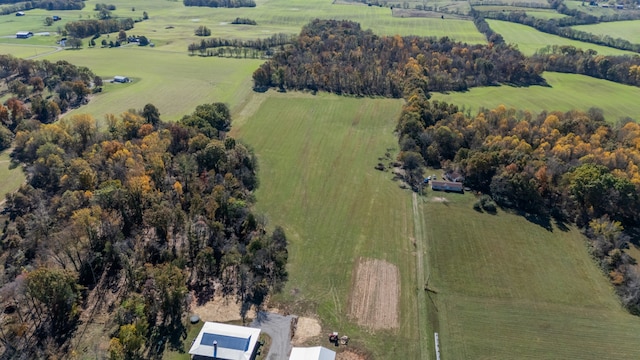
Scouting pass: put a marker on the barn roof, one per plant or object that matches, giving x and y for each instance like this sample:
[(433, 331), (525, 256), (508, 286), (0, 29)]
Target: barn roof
[(312, 353), (233, 342)]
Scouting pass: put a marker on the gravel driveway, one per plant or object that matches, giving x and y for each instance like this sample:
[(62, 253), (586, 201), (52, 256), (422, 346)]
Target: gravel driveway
[(278, 327)]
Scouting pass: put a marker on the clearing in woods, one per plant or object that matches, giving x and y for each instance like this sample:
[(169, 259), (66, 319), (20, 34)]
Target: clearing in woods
[(529, 39), (374, 294), (565, 92)]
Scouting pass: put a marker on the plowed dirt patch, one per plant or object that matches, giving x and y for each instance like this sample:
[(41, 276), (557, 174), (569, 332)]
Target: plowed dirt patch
[(306, 328), (374, 294)]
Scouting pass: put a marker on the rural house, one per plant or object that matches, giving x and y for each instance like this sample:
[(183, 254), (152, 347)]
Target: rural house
[(24, 34), (312, 353), (225, 342), (447, 186), (121, 79), (20, 13)]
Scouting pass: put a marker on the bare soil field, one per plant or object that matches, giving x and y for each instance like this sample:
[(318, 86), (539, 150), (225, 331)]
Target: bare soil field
[(306, 329), (374, 294)]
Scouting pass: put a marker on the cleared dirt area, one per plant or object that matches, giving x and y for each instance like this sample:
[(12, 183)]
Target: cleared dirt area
[(220, 309), (306, 328), (374, 296)]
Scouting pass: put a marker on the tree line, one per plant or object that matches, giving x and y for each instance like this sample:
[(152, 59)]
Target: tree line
[(18, 5), (146, 210), (569, 59), (561, 27), (340, 57), (85, 28), (41, 89), (220, 3), (259, 47)]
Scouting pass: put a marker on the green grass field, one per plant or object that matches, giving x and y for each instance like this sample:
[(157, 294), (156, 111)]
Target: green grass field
[(317, 156), (538, 13), (627, 30), (171, 24), (507, 288), (510, 289), (566, 92), (529, 39), (174, 82), (12, 178)]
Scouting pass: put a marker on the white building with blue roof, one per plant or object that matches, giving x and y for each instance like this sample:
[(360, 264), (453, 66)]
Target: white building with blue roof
[(225, 342)]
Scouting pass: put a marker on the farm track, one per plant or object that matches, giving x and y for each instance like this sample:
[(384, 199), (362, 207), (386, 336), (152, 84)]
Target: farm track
[(420, 238)]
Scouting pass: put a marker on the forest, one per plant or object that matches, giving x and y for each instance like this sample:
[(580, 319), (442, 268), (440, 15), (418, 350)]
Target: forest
[(145, 215), (340, 57), (41, 89)]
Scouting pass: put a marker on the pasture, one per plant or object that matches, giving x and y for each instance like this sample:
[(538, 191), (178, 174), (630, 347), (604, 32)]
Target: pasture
[(12, 177), (171, 25), (511, 289), (317, 156), (174, 82), (529, 39), (627, 30), (566, 92)]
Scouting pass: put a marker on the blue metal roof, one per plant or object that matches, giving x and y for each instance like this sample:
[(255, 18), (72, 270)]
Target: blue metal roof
[(227, 342)]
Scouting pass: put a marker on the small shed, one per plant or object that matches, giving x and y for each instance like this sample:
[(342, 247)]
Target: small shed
[(121, 79), (24, 34), (447, 186), (225, 342), (20, 13), (312, 353)]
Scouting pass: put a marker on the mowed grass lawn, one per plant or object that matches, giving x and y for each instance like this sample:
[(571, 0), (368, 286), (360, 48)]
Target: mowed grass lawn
[(627, 30), (317, 180), (529, 39), (566, 92), (511, 289), (11, 177)]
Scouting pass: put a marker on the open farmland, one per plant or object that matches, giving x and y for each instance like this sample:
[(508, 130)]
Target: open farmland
[(317, 156), (627, 30), (566, 92), (173, 82), (171, 24), (511, 289), (535, 12), (529, 39)]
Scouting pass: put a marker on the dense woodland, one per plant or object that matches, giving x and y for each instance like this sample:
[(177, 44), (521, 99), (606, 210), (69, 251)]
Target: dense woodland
[(137, 218), (220, 3), (340, 57), (41, 89)]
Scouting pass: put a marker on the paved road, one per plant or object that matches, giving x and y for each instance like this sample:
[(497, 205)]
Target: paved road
[(278, 327)]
